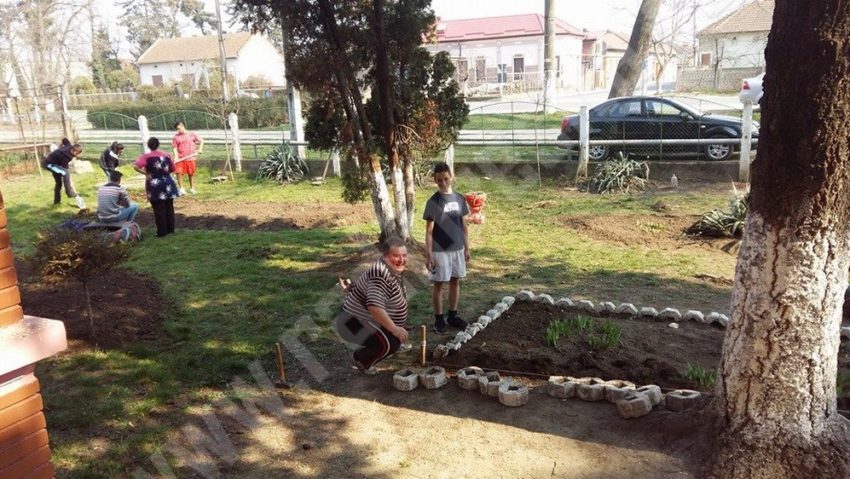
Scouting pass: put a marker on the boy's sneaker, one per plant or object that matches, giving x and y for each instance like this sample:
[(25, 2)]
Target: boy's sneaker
[(181, 192), (191, 191), (456, 322), (440, 326), (367, 371)]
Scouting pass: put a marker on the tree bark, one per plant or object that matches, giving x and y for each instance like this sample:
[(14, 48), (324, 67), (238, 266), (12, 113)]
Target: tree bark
[(629, 67), (777, 388)]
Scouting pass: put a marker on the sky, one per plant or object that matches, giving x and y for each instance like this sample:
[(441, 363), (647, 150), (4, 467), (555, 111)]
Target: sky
[(616, 15)]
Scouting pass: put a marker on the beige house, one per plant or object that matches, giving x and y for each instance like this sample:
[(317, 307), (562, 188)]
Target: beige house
[(737, 40), (190, 60)]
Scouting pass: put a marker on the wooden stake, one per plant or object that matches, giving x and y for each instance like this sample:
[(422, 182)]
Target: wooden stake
[(281, 367), (424, 343)]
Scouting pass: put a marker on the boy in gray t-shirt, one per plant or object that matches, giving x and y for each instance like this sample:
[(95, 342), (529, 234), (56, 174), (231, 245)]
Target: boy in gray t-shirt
[(446, 246)]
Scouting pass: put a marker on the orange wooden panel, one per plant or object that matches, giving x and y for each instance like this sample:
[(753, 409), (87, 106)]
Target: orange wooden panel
[(2, 204), (10, 296), (10, 315), (20, 410), (8, 277), (44, 471), (6, 258), (5, 239), (24, 388), (3, 220), (27, 464), (23, 428), (26, 446)]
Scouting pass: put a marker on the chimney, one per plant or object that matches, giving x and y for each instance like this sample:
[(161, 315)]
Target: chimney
[(24, 340)]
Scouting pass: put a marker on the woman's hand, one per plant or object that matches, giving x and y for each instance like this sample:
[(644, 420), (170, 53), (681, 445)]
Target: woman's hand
[(400, 333)]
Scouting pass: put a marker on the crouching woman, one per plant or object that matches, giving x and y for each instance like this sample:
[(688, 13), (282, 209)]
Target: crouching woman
[(374, 312)]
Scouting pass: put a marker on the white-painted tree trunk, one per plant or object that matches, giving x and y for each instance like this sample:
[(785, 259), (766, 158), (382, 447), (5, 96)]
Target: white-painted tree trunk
[(401, 219), (382, 204)]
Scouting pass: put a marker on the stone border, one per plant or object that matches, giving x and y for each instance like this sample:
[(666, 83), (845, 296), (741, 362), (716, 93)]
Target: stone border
[(603, 308)]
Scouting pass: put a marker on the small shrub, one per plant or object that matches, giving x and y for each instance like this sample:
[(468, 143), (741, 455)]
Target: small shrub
[(700, 375), (722, 224), (65, 253), (556, 329), (605, 335), (620, 174), (598, 335), (283, 165)]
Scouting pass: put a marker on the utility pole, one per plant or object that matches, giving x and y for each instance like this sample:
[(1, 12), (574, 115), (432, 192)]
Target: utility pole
[(222, 59), (549, 53)]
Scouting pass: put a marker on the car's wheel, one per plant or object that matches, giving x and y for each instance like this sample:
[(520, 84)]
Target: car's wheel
[(597, 152), (718, 152)]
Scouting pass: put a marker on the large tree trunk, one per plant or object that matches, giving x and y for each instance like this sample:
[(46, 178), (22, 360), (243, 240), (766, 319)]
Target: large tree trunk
[(629, 68), (776, 394)]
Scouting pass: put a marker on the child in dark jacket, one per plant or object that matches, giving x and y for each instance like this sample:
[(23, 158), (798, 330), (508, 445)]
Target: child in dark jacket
[(57, 162)]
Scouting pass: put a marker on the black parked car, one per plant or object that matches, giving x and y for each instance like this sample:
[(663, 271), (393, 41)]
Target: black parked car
[(654, 118)]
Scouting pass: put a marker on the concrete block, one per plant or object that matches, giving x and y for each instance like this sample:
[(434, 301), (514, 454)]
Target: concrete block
[(433, 378), (509, 300), (694, 315), (488, 384), (627, 308), (406, 380), (648, 312), (671, 314), (845, 332), (493, 314), (718, 318), (467, 378), (590, 389), (653, 392), (617, 389), (525, 295), (681, 399), (565, 303), (585, 305), (562, 387), (634, 405), (441, 351), (512, 394), (545, 299)]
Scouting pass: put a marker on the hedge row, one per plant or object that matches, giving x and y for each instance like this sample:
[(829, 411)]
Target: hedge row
[(196, 114)]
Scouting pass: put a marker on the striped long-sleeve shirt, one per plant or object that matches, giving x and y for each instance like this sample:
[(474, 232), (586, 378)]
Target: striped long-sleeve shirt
[(380, 287), (110, 198)]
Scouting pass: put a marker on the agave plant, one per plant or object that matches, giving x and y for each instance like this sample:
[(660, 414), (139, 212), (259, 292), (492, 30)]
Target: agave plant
[(620, 174), (722, 224), (283, 165)]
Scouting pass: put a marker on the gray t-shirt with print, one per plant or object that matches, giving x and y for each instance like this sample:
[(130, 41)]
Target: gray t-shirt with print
[(447, 212)]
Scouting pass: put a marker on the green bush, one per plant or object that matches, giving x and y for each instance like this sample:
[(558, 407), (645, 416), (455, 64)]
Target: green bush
[(620, 175), (283, 165), (701, 376), (196, 113), (722, 224), (597, 334)]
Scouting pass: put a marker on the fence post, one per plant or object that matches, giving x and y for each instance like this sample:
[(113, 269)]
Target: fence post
[(296, 123), (143, 128), (450, 157), (584, 142), (233, 121), (337, 169), (746, 141)]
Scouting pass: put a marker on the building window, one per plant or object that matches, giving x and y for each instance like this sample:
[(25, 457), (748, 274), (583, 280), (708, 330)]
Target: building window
[(519, 67), (157, 80), (480, 69), (705, 59)]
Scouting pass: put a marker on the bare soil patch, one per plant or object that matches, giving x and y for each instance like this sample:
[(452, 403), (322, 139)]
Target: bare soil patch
[(128, 306), (234, 215)]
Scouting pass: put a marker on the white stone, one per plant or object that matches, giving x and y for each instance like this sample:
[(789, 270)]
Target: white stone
[(648, 312), (512, 394), (590, 389), (453, 345), (652, 391), (606, 307), (674, 325), (509, 300), (467, 378), (473, 329), (488, 384), (565, 303), (462, 337), (525, 295), (493, 314), (441, 351), (681, 399), (634, 405), (545, 299), (562, 387), (670, 313), (434, 377), (718, 318), (484, 321), (845, 332), (627, 308), (585, 305), (618, 389), (406, 380), (694, 315), (500, 308)]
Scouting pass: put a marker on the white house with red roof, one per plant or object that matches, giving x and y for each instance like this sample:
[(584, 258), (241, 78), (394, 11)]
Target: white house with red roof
[(506, 53), (737, 40)]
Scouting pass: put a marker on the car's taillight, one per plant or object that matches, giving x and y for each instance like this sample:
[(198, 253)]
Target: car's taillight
[(565, 124), (745, 86)]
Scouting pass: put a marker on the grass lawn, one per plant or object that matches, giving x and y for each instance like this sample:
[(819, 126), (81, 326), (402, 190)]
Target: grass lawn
[(109, 410)]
